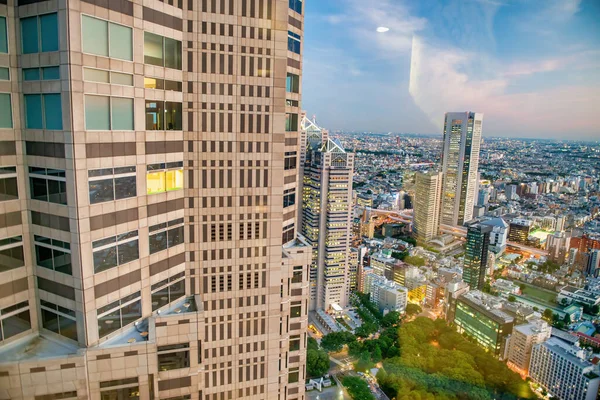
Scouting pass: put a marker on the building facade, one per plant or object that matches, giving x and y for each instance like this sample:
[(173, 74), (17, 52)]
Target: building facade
[(563, 370), (521, 343), (426, 222), (327, 210), (476, 255), (460, 163), (480, 316), (150, 243), (519, 230), (387, 295)]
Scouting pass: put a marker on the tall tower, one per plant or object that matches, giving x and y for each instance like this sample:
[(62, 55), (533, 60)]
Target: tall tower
[(428, 187), (148, 229), (460, 161), (327, 216), (476, 255)]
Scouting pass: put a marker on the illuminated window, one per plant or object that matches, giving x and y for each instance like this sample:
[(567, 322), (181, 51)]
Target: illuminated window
[(164, 177)]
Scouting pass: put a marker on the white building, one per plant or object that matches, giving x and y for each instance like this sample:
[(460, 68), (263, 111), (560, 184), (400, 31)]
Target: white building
[(498, 236), (460, 163), (521, 342), (387, 294), (564, 371)]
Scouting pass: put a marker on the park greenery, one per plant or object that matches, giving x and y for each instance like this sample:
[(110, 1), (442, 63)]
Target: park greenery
[(413, 309), (435, 362), (357, 388), (415, 260), (317, 360)]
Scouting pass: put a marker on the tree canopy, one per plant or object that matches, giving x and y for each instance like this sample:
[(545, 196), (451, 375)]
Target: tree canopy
[(335, 341), (357, 388), (413, 309)]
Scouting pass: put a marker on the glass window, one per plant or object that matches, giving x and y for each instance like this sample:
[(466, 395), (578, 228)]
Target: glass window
[(119, 314), (14, 320), (53, 254), (121, 41), (116, 250), (50, 73), (173, 357), (164, 177), (4, 74), (295, 311), (94, 35), (8, 183), (30, 35), (119, 78), (108, 184), (39, 32), (49, 32), (11, 253), (153, 49), (292, 83), (173, 118), (3, 36), (162, 51), (296, 5), (122, 114), (291, 122), (5, 111), (106, 113), (48, 185), (297, 277), (33, 111), (59, 320), (294, 374), (294, 342), (52, 111), (31, 74), (107, 39), (293, 42), (95, 75), (165, 235)]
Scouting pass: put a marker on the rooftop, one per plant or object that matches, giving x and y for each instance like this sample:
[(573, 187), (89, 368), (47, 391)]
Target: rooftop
[(36, 347)]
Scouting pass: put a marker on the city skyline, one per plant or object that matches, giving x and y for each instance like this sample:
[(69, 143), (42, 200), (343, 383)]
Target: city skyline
[(530, 82)]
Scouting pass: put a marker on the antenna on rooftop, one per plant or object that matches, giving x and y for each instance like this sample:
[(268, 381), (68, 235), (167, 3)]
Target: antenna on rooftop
[(314, 119)]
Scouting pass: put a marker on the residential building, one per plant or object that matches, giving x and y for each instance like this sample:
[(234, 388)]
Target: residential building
[(593, 263), (387, 295), (454, 289), (557, 245), (327, 211), (521, 343), (476, 254), (460, 163), (426, 222), (149, 250), (519, 230), (564, 371), (480, 316)]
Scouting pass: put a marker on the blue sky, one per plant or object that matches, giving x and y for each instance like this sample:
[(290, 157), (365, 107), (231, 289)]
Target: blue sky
[(531, 66)]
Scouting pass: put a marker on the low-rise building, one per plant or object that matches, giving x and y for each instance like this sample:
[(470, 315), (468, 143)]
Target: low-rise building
[(387, 295), (579, 295), (564, 370)]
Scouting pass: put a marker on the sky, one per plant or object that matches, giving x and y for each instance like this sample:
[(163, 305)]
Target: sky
[(532, 67)]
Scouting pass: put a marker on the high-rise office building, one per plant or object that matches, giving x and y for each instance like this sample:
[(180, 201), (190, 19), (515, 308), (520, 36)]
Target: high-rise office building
[(519, 230), (428, 187), (521, 342), (460, 161), (564, 371), (476, 254), (327, 215), (149, 222)]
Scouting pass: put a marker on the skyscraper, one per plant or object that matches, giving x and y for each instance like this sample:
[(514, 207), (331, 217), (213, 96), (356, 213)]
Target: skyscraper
[(460, 161), (428, 187), (327, 215), (476, 255), (149, 238)]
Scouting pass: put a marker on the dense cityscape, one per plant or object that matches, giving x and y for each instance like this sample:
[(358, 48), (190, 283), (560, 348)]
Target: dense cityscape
[(176, 224)]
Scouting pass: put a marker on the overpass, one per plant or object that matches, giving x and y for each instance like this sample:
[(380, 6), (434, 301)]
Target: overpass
[(406, 216)]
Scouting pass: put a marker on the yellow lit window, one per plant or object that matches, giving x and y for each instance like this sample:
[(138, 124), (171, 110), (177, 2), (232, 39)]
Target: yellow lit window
[(155, 182), (174, 179)]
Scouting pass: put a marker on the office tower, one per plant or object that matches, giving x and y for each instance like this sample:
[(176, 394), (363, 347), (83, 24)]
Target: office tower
[(146, 142), (426, 223), (353, 269), (564, 371), (518, 230), (557, 245), (479, 315), (327, 215), (460, 161), (476, 254), (521, 343), (511, 192)]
